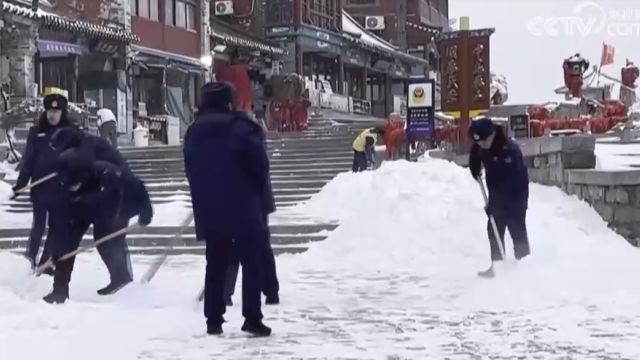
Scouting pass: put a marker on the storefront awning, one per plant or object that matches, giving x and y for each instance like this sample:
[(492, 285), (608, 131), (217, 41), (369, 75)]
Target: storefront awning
[(231, 36), (161, 59), (58, 23), (355, 33)]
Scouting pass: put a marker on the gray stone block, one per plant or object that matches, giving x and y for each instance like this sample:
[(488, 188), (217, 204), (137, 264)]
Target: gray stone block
[(595, 193), (622, 195), (550, 145), (529, 162), (578, 160), (634, 193), (579, 143), (626, 214), (539, 161), (604, 177), (529, 147), (605, 210)]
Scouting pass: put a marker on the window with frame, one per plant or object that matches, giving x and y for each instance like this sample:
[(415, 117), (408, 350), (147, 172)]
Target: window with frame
[(181, 13), (326, 14), (148, 9)]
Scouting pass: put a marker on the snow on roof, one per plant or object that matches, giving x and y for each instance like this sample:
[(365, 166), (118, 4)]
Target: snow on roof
[(350, 25)]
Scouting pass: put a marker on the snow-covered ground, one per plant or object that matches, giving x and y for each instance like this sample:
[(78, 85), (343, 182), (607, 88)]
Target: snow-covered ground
[(396, 280), (611, 155)]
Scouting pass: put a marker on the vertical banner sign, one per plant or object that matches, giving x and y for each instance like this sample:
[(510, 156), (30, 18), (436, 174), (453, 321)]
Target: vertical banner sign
[(420, 111), (519, 125)]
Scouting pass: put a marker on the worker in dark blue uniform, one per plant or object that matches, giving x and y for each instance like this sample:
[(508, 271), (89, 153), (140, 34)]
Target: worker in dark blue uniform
[(99, 148), (106, 196), (227, 168), (507, 183), (39, 161), (270, 283)]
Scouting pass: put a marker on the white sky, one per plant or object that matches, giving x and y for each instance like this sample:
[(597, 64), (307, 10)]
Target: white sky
[(533, 63)]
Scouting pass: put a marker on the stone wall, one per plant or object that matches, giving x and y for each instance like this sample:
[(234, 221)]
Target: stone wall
[(549, 157), (569, 163), (615, 195)]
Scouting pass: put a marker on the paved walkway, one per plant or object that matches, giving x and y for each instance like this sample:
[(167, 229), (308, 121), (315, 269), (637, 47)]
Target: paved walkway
[(324, 315)]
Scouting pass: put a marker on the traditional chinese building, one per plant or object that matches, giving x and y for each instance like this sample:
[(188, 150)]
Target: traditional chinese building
[(422, 19), (327, 45), (44, 46), (81, 49)]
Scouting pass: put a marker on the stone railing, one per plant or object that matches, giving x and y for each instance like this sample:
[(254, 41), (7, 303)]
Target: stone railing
[(568, 163)]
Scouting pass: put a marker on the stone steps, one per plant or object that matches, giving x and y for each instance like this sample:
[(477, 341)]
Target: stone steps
[(301, 164)]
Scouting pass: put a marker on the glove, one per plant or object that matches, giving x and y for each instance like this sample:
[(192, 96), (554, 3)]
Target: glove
[(15, 192), (144, 219), (476, 173)]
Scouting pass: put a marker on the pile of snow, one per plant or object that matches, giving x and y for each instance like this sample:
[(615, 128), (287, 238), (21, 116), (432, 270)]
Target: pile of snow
[(9, 170), (396, 279)]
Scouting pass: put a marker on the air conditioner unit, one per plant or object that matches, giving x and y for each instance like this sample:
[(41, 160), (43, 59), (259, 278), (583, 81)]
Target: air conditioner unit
[(374, 22), (223, 8)]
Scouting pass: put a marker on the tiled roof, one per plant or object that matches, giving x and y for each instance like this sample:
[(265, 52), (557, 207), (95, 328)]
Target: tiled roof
[(231, 36), (57, 23)]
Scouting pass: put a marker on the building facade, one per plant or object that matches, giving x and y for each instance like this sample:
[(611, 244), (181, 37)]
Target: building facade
[(412, 25), (327, 45), (68, 47), (167, 66)]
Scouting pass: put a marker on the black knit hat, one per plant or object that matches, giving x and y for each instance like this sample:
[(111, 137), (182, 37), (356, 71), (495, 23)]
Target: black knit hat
[(481, 129), (55, 102), (216, 96)]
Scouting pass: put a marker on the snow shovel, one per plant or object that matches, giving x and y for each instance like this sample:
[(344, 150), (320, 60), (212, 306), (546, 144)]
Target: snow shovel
[(491, 219), (32, 185), (200, 295), (155, 266), (49, 263)]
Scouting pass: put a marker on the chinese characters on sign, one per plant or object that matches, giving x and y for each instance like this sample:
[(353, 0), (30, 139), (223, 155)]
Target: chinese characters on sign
[(479, 73), (452, 87)]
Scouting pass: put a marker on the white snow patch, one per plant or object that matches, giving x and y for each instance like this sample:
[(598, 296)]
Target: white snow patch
[(612, 155)]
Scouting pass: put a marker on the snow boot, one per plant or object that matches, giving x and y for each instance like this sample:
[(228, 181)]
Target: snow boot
[(489, 273), (272, 300), (57, 296), (256, 328), (214, 329), (113, 287)]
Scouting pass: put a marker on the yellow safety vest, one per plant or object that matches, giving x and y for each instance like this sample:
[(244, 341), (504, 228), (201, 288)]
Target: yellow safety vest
[(361, 141)]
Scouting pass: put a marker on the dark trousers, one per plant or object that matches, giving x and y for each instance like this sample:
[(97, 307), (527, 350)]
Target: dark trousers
[(218, 253), (109, 132), (270, 283), (359, 161), (114, 253), (40, 211), (516, 223)]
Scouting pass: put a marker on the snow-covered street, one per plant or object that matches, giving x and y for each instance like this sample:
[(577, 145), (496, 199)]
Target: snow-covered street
[(396, 280)]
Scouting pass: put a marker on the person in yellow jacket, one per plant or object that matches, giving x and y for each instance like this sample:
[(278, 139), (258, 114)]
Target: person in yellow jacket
[(364, 148)]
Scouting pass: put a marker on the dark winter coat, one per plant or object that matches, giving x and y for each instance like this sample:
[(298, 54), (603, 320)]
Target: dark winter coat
[(108, 194), (506, 174), (227, 168), (39, 158), (98, 148)]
